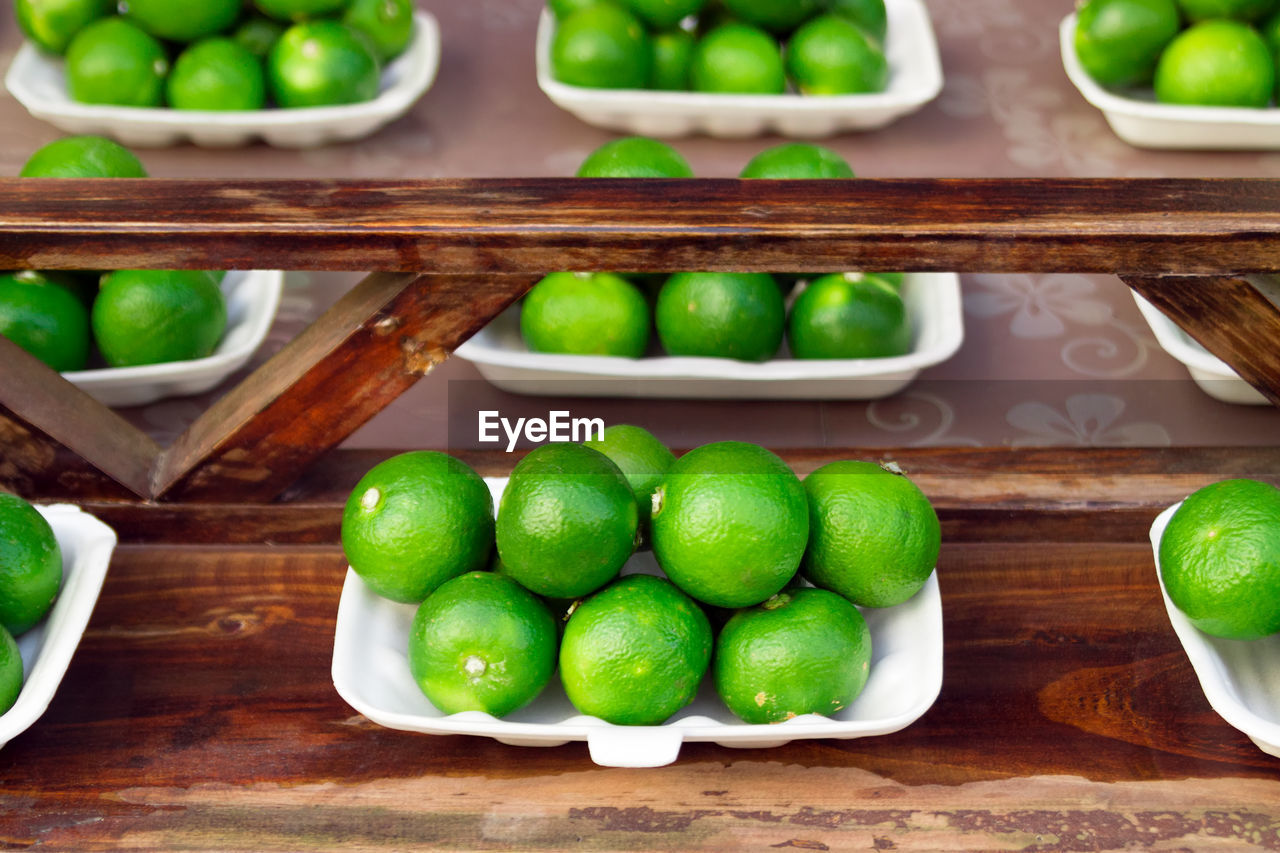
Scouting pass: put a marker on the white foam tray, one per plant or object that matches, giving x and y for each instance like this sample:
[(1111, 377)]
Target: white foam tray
[(39, 83), (932, 302), (915, 78), (252, 301), (1139, 120), (47, 648), (371, 672), (1241, 679)]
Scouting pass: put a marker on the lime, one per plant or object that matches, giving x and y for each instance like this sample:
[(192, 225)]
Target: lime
[(641, 458), (721, 314), (482, 642), (83, 157), (663, 14), (321, 63), (1118, 42), (299, 10), (258, 35), (586, 313), (1216, 63), (562, 9), (387, 23), (601, 46), (871, 15), (184, 22), (1220, 559), (566, 521), (797, 160), (416, 520), (729, 523), (672, 56), (635, 157), (1270, 30), (873, 535), (154, 316), (216, 74), (30, 565), (846, 315), (634, 653), (44, 319), (112, 61), (831, 55), (803, 651), (894, 279), (779, 16), (51, 24), (1240, 10), (737, 58), (10, 670)]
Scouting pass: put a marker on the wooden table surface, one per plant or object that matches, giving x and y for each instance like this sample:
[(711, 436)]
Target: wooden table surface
[(199, 714)]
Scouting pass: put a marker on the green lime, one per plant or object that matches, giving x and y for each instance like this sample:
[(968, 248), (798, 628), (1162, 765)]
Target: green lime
[(664, 14), (10, 670), (873, 535), (155, 316), (51, 24), (729, 523), (737, 58), (562, 9), (721, 314), (831, 55), (83, 157), (1118, 42), (184, 22), (299, 10), (797, 160), (216, 74), (258, 35), (779, 16), (846, 315), (803, 651), (1216, 63), (586, 313), (112, 61), (601, 46), (1240, 10), (672, 57), (44, 319), (634, 653), (894, 279), (30, 565), (641, 458), (321, 63), (1270, 30), (482, 642), (566, 522), (871, 15), (416, 520), (635, 157), (1220, 559), (387, 23)]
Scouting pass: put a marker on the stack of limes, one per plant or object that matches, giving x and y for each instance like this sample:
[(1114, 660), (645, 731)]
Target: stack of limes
[(732, 529), (30, 577), (1195, 52), (131, 317), (819, 47), (734, 315), (220, 54)]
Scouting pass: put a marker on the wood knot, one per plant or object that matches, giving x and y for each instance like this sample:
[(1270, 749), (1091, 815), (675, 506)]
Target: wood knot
[(419, 358)]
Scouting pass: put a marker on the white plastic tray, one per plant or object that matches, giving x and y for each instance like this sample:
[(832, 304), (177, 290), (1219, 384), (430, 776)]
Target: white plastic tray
[(1139, 120), (915, 78), (932, 302), (47, 648), (252, 300), (1241, 679), (371, 672), (38, 82)]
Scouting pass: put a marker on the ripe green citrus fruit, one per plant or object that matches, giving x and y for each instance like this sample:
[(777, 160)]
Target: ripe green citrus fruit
[(184, 22), (1216, 63), (416, 520), (51, 24), (845, 315), (737, 58), (562, 9), (299, 10), (797, 160), (216, 74), (721, 314), (601, 46), (729, 523), (778, 16), (258, 35), (482, 642), (10, 670), (634, 653), (803, 651), (388, 24), (1270, 30), (641, 458), (83, 157), (672, 58), (30, 565), (44, 319), (871, 15), (566, 522), (873, 535), (112, 61), (664, 14), (1118, 42), (586, 314), (635, 157), (321, 63), (831, 55), (155, 316), (1240, 10), (1220, 559)]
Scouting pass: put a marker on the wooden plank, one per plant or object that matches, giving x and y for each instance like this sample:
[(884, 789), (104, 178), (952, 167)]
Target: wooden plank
[(1229, 316), (1133, 226), (374, 343)]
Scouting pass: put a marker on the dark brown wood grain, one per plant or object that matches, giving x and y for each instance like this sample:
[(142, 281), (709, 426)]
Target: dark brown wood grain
[(1134, 226)]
